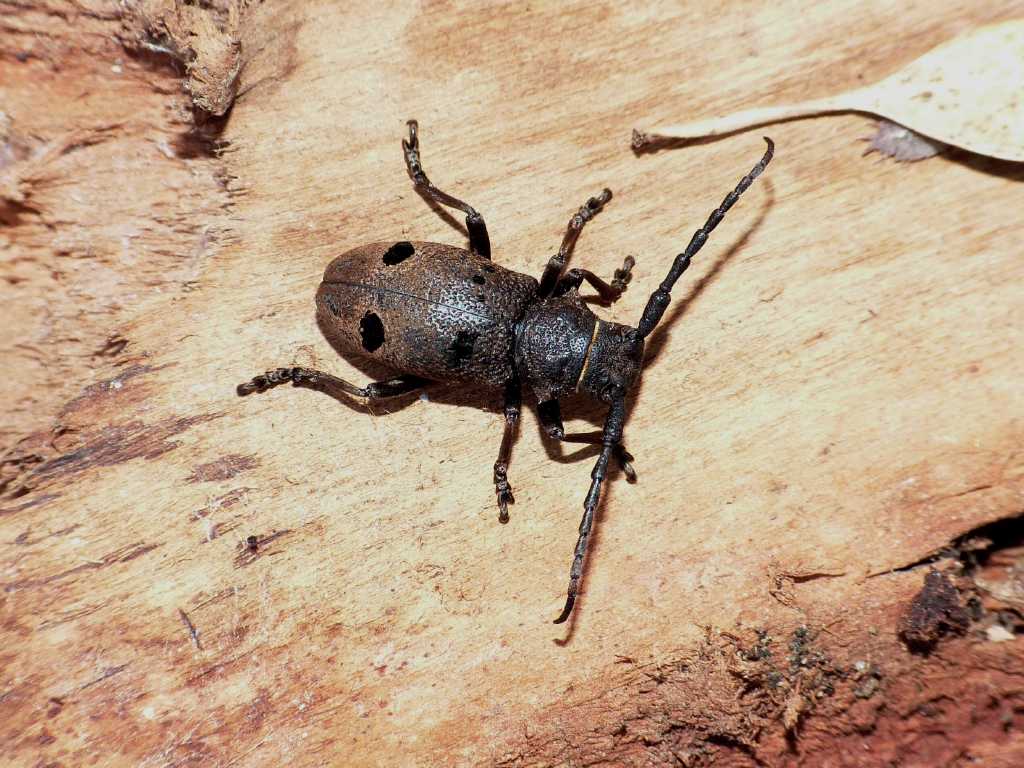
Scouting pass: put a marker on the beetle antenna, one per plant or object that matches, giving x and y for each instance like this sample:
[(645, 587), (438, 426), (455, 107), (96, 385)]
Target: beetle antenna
[(660, 299), (610, 438)]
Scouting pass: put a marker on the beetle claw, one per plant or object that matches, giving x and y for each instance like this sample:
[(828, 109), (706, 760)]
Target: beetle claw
[(505, 498), (626, 462), (622, 276), (413, 141)]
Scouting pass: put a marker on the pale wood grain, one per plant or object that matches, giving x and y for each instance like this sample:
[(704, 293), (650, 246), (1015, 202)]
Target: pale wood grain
[(839, 392)]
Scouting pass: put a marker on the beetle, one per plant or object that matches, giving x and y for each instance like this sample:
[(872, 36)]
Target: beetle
[(436, 312)]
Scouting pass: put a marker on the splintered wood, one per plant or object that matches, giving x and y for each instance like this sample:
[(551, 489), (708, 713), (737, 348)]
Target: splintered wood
[(832, 402)]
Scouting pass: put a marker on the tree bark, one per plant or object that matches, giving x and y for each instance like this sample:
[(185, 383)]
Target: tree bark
[(823, 560)]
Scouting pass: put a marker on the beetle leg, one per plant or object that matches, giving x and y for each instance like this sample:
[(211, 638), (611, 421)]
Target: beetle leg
[(513, 403), (479, 242), (331, 385), (608, 293), (624, 458), (611, 437), (550, 414), (549, 280)]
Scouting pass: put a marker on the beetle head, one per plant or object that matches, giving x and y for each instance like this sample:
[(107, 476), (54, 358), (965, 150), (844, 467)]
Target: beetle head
[(613, 363)]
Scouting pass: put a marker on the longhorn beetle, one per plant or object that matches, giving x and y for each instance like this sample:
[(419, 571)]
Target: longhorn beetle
[(436, 312)]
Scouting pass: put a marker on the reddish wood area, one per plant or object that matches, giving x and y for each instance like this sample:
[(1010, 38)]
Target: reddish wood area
[(822, 563)]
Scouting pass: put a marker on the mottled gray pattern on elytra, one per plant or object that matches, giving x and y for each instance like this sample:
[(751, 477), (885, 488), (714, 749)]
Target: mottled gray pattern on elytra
[(445, 313)]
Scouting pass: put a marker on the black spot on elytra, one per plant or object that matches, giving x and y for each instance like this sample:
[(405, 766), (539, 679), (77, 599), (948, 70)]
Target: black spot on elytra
[(479, 279), (461, 349), (398, 253), (372, 331), (489, 268)]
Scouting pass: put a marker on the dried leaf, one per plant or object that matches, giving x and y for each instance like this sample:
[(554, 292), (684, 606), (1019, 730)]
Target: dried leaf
[(902, 144), (966, 92)]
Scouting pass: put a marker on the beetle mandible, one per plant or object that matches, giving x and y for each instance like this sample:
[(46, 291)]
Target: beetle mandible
[(439, 313)]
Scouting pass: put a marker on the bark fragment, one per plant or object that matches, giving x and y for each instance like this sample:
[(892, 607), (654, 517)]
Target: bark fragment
[(202, 39), (933, 614)]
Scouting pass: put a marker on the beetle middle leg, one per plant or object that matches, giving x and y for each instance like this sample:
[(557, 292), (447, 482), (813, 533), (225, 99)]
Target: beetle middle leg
[(553, 270), (609, 293), (550, 414), (513, 405), (307, 378), (479, 241)]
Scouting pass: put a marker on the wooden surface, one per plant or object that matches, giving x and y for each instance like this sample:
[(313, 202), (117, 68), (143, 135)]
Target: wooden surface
[(837, 399)]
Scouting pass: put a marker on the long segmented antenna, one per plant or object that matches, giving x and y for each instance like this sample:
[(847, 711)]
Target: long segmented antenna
[(612, 434), (660, 299), (610, 439)]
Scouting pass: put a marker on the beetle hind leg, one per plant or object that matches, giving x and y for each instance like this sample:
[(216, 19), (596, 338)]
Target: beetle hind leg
[(307, 378), (479, 241)]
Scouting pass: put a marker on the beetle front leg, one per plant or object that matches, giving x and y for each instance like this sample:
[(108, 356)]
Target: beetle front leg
[(624, 458), (550, 414), (609, 293), (308, 378), (513, 405), (479, 241)]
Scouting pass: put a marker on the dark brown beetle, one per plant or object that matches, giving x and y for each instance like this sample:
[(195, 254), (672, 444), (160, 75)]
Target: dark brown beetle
[(440, 313)]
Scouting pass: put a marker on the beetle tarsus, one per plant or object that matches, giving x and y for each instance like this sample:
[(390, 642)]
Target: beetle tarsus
[(319, 381), (266, 381), (589, 209), (505, 498), (625, 459), (622, 276), (608, 293), (597, 202), (513, 405), (413, 141)]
